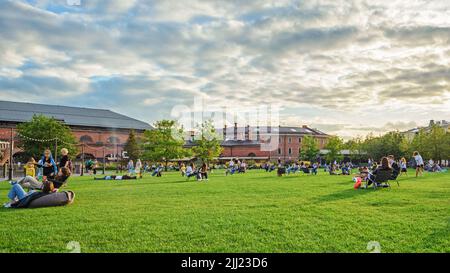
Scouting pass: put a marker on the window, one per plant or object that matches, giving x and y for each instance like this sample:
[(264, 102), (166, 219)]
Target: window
[(299, 140), (251, 155), (86, 139), (279, 151), (290, 151), (113, 140), (279, 140), (289, 140)]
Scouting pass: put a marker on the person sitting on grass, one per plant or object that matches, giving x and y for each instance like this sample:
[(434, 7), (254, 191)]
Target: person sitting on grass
[(190, 171), (281, 168), (242, 167), (30, 168), (48, 165), (333, 169), (183, 169), (293, 168), (314, 168), (158, 171), (203, 173), (116, 177), (345, 170), (304, 168)]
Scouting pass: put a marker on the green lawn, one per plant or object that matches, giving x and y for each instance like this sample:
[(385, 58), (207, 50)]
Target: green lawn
[(253, 212)]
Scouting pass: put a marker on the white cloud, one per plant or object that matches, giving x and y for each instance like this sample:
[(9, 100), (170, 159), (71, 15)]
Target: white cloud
[(347, 62)]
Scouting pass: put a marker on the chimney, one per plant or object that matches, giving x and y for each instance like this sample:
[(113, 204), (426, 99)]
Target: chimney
[(431, 122), (224, 132), (247, 132), (305, 126), (257, 133), (235, 131)]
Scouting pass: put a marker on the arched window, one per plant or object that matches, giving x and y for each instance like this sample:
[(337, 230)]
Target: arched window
[(86, 139), (251, 155), (113, 140), (290, 151)]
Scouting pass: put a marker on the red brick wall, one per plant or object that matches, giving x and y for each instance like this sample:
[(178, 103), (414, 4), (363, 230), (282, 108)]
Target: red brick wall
[(98, 135)]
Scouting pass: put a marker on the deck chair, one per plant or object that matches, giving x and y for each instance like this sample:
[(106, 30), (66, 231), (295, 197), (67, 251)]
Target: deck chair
[(382, 177)]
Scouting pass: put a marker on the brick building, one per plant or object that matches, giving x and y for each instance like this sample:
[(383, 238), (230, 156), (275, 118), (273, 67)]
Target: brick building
[(98, 130), (253, 143)]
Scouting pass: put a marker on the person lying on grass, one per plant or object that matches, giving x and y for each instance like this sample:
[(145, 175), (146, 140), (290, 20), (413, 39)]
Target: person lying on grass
[(116, 177), (31, 183), (48, 197)]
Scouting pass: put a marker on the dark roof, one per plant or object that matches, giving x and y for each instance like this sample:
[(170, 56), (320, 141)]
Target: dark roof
[(72, 116), (276, 129)]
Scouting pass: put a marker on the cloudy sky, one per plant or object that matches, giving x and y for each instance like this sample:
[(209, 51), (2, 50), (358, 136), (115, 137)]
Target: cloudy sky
[(346, 67)]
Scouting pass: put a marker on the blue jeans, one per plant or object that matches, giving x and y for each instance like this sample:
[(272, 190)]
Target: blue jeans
[(17, 191)]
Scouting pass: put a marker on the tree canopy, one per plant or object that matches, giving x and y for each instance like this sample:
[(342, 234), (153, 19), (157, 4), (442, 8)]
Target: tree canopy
[(40, 128), (207, 146), (164, 143)]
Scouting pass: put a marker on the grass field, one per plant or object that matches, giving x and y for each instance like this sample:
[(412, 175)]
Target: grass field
[(253, 212)]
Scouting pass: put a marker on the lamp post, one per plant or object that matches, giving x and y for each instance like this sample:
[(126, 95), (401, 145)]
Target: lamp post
[(11, 148), (82, 160), (104, 160)]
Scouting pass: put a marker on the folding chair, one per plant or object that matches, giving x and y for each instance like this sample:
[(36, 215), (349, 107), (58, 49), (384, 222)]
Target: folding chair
[(382, 177)]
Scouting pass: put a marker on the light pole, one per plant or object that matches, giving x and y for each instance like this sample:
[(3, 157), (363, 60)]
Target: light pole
[(104, 159), (11, 148)]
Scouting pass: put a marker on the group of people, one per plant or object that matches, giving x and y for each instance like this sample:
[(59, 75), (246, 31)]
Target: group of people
[(50, 178), (235, 165), (394, 167), (200, 173), (345, 168)]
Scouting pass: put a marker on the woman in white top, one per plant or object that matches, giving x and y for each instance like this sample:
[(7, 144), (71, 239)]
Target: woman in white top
[(419, 163), (138, 167)]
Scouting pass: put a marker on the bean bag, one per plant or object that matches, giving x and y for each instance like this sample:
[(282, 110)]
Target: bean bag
[(53, 200)]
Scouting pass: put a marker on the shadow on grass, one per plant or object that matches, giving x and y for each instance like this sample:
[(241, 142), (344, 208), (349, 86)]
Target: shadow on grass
[(342, 195)]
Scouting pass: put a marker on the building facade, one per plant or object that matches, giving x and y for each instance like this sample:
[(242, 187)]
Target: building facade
[(100, 132), (265, 143)]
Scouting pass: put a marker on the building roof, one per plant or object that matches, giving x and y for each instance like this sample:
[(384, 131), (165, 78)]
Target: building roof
[(72, 116), (285, 130)]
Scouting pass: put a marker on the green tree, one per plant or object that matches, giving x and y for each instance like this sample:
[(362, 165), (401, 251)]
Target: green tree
[(437, 146), (41, 127), (334, 147), (207, 146), (132, 147), (164, 143), (309, 149)]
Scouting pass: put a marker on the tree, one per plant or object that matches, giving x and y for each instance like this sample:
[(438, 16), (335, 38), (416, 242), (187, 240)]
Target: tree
[(309, 149), (207, 146), (334, 147), (437, 146), (132, 147), (42, 133), (164, 143)]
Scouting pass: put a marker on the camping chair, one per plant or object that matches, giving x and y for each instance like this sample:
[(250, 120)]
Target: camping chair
[(394, 177), (382, 177)]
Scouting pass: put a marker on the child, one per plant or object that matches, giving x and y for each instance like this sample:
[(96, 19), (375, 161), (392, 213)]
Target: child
[(183, 169), (30, 168), (64, 162), (419, 163), (403, 167)]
